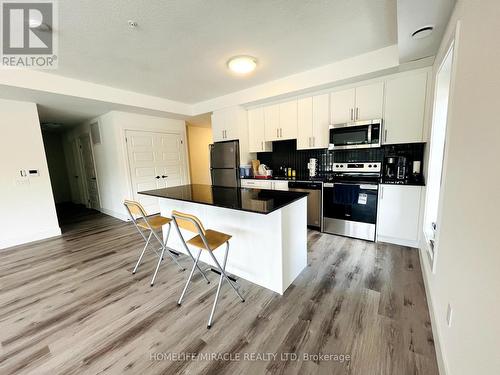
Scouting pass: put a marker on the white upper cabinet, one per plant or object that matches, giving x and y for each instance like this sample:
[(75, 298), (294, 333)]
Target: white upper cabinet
[(218, 126), (342, 106), (313, 121), (304, 123), (360, 103), (231, 124), (272, 122), (288, 120), (320, 120), (398, 214), (369, 102), (225, 124), (404, 109), (257, 131)]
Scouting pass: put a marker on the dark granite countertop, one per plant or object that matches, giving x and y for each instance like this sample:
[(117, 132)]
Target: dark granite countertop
[(242, 199)]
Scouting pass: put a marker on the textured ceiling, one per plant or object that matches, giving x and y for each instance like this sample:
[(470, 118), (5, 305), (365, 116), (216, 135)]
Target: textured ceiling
[(180, 47)]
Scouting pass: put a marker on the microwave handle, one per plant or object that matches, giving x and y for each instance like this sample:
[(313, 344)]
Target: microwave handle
[(369, 135)]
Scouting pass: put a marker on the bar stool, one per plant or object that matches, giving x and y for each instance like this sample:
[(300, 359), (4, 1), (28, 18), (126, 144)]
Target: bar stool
[(208, 240), (144, 223)]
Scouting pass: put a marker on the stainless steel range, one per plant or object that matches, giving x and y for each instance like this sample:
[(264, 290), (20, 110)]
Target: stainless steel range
[(350, 200)]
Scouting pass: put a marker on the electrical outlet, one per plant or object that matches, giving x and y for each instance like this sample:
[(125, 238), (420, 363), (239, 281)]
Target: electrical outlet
[(449, 315)]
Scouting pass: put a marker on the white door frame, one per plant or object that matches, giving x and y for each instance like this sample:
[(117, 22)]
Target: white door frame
[(185, 174)]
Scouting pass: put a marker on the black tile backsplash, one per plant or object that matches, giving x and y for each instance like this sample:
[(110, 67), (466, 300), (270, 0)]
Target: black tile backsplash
[(285, 154)]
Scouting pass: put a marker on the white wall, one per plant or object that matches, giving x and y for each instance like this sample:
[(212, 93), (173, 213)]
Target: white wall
[(468, 250), (111, 155), (28, 209)]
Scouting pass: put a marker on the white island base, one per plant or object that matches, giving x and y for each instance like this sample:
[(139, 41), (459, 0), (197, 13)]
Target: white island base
[(269, 250)]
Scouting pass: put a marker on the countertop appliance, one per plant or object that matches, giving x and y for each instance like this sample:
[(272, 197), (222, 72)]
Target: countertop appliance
[(314, 201), (397, 171), (354, 135), (350, 200), (312, 166), (225, 163)]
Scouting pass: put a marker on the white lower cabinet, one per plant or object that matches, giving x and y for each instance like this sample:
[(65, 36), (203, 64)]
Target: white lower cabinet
[(398, 214), (280, 185), (264, 184), (257, 184)]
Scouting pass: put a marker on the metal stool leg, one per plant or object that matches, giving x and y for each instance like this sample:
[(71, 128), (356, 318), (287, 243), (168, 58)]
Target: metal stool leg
[(190, 254), (142, 254), (223, 271), (189, 278), (163, 249), (223, 276)]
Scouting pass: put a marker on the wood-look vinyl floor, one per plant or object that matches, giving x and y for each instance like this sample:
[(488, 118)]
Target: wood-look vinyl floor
[(70, 305)]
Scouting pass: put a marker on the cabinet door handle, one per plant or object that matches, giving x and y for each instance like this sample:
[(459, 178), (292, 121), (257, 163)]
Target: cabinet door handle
[(357, 113), (385, 135), (277, 133), (262, 145), (381, 192), (314, 141), (352, 111), (281, 132)]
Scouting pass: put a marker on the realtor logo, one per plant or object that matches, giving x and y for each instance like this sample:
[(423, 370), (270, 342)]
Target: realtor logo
[(28, 36)]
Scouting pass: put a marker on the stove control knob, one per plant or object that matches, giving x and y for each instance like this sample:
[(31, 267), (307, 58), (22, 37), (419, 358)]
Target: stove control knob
[(369, 165)]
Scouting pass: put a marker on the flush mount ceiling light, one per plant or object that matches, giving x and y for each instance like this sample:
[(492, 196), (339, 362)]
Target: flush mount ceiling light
[(423, 32), (242, 64), (132, 24)]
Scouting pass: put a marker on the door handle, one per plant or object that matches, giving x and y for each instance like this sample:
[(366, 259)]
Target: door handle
[(93, 178), (157, 177), (163, 176)]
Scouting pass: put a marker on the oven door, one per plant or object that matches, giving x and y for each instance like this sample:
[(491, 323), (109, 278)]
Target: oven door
[(354, 220), (352, 136)]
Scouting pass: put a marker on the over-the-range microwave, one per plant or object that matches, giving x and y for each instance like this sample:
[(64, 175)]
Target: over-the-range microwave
[(353, 135)]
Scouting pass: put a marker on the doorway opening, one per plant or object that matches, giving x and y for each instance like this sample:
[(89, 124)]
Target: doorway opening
[(73, 178)]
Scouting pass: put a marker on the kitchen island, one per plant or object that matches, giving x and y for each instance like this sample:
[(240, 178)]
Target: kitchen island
[(268, 228)]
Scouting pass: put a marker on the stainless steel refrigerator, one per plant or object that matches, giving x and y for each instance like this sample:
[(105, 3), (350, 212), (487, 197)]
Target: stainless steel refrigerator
[(225, 163)]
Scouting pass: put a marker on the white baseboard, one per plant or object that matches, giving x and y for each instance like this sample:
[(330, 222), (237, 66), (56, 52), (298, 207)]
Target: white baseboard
[(30, 237), (398, 241), (435, 334), (115, 214)]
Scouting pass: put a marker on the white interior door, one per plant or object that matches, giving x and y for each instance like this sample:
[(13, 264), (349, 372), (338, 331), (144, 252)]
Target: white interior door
[(89, 171), (156, 160)]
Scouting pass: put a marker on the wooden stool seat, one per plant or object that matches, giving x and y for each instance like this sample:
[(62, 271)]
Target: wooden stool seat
[(214, 240), (155, 222)]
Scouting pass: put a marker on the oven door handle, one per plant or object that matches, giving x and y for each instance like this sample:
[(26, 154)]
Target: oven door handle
[(361, 186)]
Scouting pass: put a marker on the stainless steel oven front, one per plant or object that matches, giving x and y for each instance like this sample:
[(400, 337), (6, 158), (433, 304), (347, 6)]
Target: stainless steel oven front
[(354, 135), (354, 219)]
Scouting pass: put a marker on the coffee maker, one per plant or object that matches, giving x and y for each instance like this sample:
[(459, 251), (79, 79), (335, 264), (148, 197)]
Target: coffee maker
[(395, 170)]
